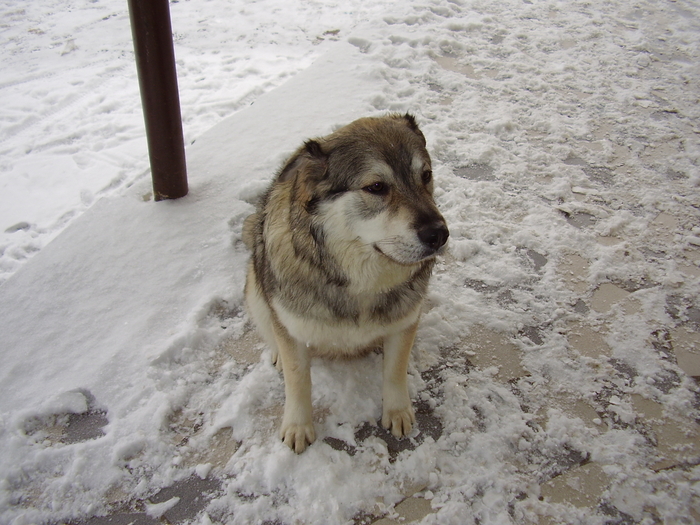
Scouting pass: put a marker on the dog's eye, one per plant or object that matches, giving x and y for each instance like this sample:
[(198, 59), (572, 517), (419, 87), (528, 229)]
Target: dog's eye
[(427, 176), (378, 188)]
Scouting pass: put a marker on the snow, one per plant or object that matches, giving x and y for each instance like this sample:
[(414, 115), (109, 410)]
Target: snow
[(558, 130), (71, 127)]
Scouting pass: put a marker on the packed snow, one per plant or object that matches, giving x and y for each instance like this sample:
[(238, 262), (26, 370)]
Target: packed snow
[(71, 126), (566, 153)]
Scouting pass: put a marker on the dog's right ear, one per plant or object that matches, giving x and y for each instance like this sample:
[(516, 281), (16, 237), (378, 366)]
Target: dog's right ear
[(411, 123), (311, 155)]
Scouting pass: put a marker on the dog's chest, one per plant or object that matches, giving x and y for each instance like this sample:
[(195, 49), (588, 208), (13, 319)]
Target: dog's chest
[(335, 336)]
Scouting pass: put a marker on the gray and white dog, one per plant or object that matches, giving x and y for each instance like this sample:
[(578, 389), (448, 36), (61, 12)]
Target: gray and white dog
[(343, 244)]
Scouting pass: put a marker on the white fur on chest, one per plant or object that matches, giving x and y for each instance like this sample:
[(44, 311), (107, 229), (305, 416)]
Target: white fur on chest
[(340, 338)]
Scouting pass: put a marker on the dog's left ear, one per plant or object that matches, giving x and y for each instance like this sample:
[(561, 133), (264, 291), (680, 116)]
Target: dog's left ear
[(307, 167), (309, 158), (314, 149), (411, 123)]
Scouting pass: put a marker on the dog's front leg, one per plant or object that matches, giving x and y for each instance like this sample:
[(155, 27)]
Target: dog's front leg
[(398, 415), (297, 429)]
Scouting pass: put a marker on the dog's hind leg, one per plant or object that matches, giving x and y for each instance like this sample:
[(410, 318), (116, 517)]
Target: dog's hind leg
[(261, 315), (297, 429), (248, 230), (397, 411)]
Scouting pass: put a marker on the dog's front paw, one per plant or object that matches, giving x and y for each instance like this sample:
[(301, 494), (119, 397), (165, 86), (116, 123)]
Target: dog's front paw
[(399, 420), (298, 436), (276, 359), (398, 415)]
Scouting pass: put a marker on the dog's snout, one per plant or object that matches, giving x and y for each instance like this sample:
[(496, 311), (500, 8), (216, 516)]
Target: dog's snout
[(434, 235)]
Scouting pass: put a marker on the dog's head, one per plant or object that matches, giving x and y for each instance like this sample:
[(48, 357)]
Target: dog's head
[(370, 181)]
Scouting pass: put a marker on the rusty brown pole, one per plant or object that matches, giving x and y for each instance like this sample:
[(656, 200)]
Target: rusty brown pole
[(155, 62)]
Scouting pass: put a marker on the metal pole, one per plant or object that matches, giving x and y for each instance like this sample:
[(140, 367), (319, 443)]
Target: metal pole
[(155, 62)]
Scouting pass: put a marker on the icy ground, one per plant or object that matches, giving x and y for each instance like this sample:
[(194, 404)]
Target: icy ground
[(560, 332)]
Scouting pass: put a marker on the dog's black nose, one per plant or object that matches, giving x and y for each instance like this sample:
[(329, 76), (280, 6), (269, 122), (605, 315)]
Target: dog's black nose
[(434, 235)]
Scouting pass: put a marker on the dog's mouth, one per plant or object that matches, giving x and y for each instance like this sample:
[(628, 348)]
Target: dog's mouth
[(407, 255), (427, 241)]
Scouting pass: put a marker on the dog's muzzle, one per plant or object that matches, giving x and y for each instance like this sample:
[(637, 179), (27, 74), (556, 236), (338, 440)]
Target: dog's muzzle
[(434, 235)]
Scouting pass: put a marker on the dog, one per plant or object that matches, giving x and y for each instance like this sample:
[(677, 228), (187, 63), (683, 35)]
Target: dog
[(343, 244)]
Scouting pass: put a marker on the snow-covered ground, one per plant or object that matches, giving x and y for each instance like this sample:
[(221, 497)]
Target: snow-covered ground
[(566, 151), (71, 127)]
